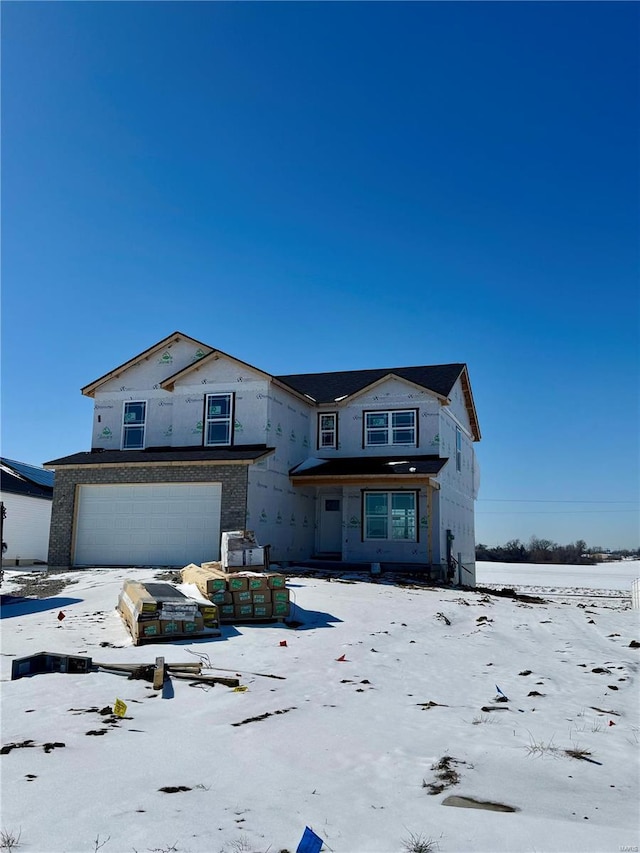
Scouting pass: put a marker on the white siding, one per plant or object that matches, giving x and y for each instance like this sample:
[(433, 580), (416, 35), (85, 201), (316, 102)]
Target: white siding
[(26, 527)]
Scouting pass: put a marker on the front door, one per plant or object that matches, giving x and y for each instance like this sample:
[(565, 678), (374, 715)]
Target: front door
[(330, 527)]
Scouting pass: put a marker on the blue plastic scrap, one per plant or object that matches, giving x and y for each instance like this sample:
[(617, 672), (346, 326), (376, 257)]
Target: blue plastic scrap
[(310, 842)]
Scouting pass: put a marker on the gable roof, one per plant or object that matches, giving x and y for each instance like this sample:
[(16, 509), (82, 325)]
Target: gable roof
[(169, 383), (329, 387), (22, 479), (90, 389), (321, 388), (335, 386)]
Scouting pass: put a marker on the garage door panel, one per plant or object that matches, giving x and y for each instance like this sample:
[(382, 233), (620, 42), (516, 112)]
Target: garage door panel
[(148, 524)]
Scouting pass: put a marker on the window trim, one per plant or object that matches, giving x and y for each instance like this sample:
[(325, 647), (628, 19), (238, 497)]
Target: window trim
[(230, 418), (389, 427), (458, 449), (363, 516), (319, 444), (126, 403)]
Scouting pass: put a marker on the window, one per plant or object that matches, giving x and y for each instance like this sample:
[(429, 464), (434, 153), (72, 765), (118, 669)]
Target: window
[(133, 422), (390, 515), (381, 428), (218, 413), (327, 430), (458, 449)]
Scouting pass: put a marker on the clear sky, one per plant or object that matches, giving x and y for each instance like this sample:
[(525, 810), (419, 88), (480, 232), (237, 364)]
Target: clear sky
[(333, 186)]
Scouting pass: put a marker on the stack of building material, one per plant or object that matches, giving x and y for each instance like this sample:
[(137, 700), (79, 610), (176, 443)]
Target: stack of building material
[(239, 549), (241, 596), (159, 611)]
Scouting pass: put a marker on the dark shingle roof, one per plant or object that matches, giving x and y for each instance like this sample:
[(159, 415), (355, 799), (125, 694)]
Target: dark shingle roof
[(247, 453), (327, 387), (382, 466)]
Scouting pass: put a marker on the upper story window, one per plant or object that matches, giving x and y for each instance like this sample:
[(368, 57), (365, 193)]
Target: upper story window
[(393, 427), (218, 414), (327, 430), (133, 423), (458, 449)]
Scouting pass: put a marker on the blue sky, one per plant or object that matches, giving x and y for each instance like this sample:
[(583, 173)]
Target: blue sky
[(331, 186)]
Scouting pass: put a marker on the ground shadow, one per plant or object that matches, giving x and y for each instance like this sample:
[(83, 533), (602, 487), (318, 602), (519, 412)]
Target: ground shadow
[(303, 620), (17, 605)]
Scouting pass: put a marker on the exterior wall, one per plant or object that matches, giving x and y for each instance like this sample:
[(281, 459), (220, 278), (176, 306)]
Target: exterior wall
[(222, 376), (26, 527), (391, 394), (282, 516), (458, 491), (232, 477), (141, 382)]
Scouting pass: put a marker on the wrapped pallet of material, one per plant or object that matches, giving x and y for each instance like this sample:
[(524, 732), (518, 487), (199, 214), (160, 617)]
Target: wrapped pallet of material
[(205, 579), (240, 595), (159, 610), (239, 548)]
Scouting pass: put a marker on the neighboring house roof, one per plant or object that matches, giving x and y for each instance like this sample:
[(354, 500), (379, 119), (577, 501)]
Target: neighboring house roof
[(90, 389), (248, 453), (369, 466), (19, 478)]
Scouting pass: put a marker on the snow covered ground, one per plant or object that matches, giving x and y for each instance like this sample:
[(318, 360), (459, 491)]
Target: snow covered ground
[(364, 750)]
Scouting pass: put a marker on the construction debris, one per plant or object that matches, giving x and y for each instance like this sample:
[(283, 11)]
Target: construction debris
[(156, 673)]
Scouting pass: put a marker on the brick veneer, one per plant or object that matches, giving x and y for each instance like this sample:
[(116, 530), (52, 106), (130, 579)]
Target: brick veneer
[(232, 477)]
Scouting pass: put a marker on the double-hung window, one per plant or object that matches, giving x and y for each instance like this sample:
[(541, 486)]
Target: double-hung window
[(133, 422), (327, 430), (218, 415), (390, 515), (390, 428), (458, 449)]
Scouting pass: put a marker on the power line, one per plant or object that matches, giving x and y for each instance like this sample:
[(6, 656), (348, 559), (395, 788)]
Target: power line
[(552, 512), (548, 501)]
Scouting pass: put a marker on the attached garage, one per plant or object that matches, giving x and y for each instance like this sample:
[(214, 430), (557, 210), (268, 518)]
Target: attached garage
[(164, 524), (148, 507)]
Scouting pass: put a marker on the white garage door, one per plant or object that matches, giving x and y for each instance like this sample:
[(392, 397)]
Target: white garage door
[(163, 524)]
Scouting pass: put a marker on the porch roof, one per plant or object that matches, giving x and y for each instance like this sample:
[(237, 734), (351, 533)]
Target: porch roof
[(380, 467)]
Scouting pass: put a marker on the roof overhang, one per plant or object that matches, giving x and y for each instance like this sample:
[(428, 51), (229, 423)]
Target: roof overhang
[(471, 407)]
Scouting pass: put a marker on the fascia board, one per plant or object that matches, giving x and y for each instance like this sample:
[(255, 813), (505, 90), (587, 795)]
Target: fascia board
[(471, 406)]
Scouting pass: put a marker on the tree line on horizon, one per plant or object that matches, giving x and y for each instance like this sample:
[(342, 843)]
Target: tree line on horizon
[(545, 551)]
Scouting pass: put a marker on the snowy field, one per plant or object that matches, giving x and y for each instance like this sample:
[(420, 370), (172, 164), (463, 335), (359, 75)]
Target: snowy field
[(366, 750)]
